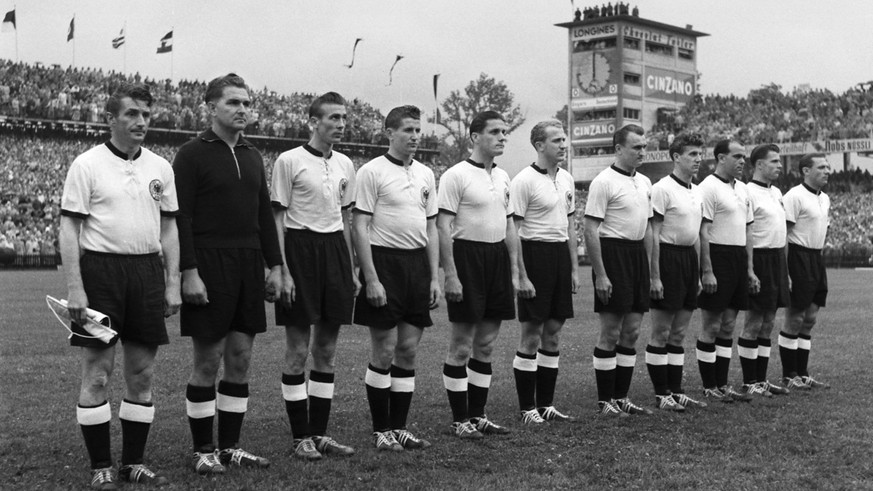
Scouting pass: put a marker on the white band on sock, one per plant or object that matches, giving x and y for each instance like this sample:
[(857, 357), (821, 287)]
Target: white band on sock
[(603, 363), (136, 412), (402, 384), (293, 393), (656, 359), (623, 360), (787, 343), (198, 410), (323, 390), (377, 380), (676, 359), (547, 361), (748, 353), (763, 352), (90, 416), (478, 379), (804, 343), (524, 364), (723, 351), (231, 404), (706, 356), (455, 384)]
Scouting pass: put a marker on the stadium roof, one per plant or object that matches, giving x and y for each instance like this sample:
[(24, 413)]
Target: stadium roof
[(636, 20)]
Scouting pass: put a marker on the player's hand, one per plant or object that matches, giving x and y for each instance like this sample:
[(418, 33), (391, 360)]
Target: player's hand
[(172, 299), (356, 284), (376, 295), (76, 305), (603, 288), (273, 285), (288, 291), (434, 293), (193, 288), (754, 283), (790, 285), (454, 290), (699, 286), (575, 283), (526, 289), (656, 289), (710, 285)]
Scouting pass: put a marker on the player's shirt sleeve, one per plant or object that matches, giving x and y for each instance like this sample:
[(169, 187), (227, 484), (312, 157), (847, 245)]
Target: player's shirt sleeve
[(280, 191), (431, 208), (76, 199), (169, 198), (348, 197), (518, 195), (449, 193), (651, 211), (791, 211), (598, 200), (268, 235), (710, 206), (510, 210), (660, 201), (185, 170), (750, 208), (366, 191), (571, 205)]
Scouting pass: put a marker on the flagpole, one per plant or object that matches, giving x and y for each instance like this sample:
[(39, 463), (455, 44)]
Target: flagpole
[(15, 28), (74, 38), (124, 31), (172, 51)]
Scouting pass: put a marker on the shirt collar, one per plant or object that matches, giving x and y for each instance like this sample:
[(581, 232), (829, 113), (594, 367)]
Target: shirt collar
[(623, 172), (682, 183), (759, 183), (315, 152), (811, 190), (209, 136), (394, 160), (722, 179), (538, 169), (477, 164), (118, 153)]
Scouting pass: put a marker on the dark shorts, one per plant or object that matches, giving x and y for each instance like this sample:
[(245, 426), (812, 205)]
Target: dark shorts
[(234, 280), (627, 267), (730, 266), (680, 276), (772, 271), (322, 273), (486, 279), (130, 290), (549, 269), (405, 275), (809, 278)]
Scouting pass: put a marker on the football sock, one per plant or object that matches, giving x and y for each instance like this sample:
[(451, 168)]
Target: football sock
[(455, 381), (296, 404), (94, 422), (804, 343), (200, 406), (378, 384), (233, 401), (136, 420), (479, 375), (656, 362), (722, 360), (604, 373), (320, 396), (675, 367), (706, 364), (547, 377), (788, 354), (402, 388), (524, 366), (763, 358), (625, 360), (748, 351)]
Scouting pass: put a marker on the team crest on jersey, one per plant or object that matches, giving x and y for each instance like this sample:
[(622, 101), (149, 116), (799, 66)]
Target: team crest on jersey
[(156, 189), (425, 195), (569, 198), (344, 183)]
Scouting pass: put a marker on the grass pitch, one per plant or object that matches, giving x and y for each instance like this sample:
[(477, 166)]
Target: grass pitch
[(821, 439)]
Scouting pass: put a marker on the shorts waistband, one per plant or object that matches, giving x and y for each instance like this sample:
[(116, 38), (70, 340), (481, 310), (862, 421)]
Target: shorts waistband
[(309, 233), (544, 243), (726, 248), (119, 256), (621, 242), (768, 250), (397, 252), (803, 249), (478, 243), (683, 248)]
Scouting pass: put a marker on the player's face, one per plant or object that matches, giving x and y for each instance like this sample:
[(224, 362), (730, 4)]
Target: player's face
[(632, 152), (231, 110), (130, 125), (554, 147), (492, 139), (330, 125), (735, 160), (404, 140), (771, 167), (819, 173), (689, 160)]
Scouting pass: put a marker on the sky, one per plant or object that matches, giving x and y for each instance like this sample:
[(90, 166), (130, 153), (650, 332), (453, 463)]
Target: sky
[(304, 45)]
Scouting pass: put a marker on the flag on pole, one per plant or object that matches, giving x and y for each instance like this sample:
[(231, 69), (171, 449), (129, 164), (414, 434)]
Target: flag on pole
[(166, 43), (354, 49), (118, 41), (72, 29), (391, 71), (9, 21), (436, 79)]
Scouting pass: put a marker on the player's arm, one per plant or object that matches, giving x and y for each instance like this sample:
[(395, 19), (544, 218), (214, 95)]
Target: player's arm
[(602, 285), (707, 278), (525, 287), (347, 235), (373, 287), (754, 282), (269, 238), (697, 273), (287, 292), (789, 226), (433, 258), (453, 290), (193, 288), (572, 244), (77, 300), (512, 247), (170, 251), (656, 289)]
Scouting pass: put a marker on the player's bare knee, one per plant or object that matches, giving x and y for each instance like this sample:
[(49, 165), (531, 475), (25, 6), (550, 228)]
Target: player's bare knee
[(459, 354), (295, 360), (382, 356)]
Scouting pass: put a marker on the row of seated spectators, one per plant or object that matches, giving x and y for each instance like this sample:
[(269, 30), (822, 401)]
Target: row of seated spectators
[(33, 171), (79, 94)]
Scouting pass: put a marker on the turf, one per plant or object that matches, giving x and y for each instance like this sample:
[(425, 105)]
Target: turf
[(821, 439)]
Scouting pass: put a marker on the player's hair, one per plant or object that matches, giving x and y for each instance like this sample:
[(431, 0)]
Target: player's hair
[(215, 87), (538, 132), (761, 151), (808, 160), (326, 98), (620, 136), (722, 147), (137, 92), (398, 114), (685, 140), (481, 120)]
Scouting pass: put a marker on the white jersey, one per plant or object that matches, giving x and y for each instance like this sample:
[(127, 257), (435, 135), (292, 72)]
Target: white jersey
[(622, 202), (399, 198), (478, 199), (120, 200), (769, 230), (544, 204), (726, 205), (313, 189), (680, 205), (808, 210)]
